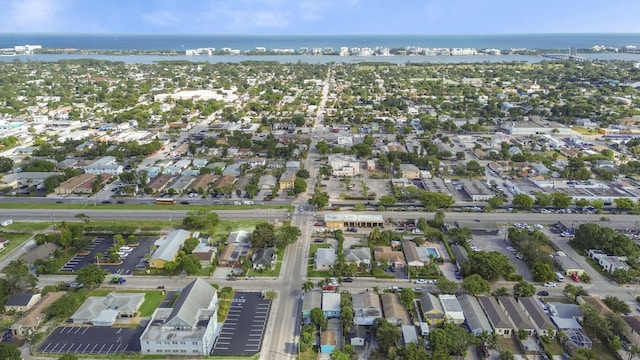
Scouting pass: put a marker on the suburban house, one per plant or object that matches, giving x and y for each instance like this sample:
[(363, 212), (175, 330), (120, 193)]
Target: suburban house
[(432, 311), (30, 322), (409, 171), (390, 256), (324, 259), (168, 248), (360, 256), (409, 334), (264, 258), (21, 302), (542, 322), (238, 244), (411, 254), (205, 253), (104, 165), (189, 328), (501, 324), (475, 318), (393, 309), (310, 301), (366, 308), (105, 310), (516, 314), (330, 305), (328, 342), (287, 179), (452, 309), (632, 328)]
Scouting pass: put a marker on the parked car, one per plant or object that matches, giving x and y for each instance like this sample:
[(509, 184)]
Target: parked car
[(543, 293), (421, 281), (550, 284), (347, 280)]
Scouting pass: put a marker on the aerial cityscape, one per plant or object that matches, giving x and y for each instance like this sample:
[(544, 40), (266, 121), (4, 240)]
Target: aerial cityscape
[(166, 193)]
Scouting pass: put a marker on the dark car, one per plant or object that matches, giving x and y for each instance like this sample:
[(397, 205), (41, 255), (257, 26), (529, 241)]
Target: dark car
[(106, 201), (184, 202), (59, 202), (347, 279), (543, 293), (120, 202)]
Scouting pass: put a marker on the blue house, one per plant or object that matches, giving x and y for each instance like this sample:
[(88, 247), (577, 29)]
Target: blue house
[(328, 342), (330, 305)]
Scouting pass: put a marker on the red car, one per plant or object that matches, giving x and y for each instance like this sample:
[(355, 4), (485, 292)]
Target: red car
[(329, 287)]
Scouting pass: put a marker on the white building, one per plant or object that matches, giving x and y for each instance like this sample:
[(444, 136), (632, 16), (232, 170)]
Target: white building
[(104, 165), (189, 328), (452, 309), (344, 165)]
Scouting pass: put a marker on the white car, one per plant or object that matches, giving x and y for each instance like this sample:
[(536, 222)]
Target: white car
[(550, 284), (421, 281)]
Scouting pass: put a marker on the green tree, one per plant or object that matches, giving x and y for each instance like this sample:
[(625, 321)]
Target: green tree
[(490, 265), (336, 354), (618, 306), (542, 272), (190, 263), (387, 200), (495, 202), (572, 292), (446, 286), (460, 234), (386, 334), (406, 297), (9, 352), (200, 220), (524, 289), (624, 204), (91, 275), (6, 164), (190, 244), (171, 267), (506, 355), (319, 199), (522, 201), (264, 235), (299, 186), (288, 234), (476, 285), (561, 200), (543, 199), (317, 318), (18, 276), (501, 291)]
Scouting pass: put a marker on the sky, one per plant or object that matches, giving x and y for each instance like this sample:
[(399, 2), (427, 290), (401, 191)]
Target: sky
[(319, 17)]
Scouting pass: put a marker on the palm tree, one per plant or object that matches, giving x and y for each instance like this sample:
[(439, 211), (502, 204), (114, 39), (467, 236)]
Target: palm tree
[(307, 286), (99, 257), (376, 289)]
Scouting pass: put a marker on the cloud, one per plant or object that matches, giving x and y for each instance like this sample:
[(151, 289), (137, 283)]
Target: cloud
[(162, 18), (32, 15)]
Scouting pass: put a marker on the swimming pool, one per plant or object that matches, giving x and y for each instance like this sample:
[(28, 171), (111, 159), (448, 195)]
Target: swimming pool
[(433, 251)]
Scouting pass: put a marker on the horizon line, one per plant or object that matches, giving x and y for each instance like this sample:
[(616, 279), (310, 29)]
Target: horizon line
[(347, 34)]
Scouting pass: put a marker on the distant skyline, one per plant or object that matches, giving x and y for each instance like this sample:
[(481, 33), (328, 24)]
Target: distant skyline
[(320, 17)]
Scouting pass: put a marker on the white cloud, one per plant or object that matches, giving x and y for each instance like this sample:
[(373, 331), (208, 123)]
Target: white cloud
[(161, 18), (32, 15)]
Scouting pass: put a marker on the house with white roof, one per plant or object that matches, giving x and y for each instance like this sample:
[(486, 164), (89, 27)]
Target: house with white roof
[(330, 305), (452, 309)]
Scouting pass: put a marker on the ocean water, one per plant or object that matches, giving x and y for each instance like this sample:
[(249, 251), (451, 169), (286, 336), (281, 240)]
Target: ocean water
[(250, 42)]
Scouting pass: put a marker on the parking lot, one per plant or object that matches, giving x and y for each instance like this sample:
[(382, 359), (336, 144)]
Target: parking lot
[(243, 330), (498, 242), (101, 245), (92, 340)]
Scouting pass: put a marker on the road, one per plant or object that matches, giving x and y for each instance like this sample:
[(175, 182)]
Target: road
[(618, 221)]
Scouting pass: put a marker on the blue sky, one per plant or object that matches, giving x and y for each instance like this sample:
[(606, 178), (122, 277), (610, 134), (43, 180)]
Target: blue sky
[(320, 16)]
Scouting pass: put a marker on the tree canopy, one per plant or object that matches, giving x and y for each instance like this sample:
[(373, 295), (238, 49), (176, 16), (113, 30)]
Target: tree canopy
[(200, 220), (489, 265)]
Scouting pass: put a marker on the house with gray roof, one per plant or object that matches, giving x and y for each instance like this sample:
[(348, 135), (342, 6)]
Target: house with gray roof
[(360, 256), (366, 308), (475, 318), (104, 310), (501, 324), (310, 301), (168, 248), (189, 328), (542, 322), (432, 311), (263, 258), (393, 309), (411, 255), (516, 314), (324, 259)]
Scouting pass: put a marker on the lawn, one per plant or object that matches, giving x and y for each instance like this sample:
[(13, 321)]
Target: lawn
[(508, 344), (152, 299), (227, 226), (15, 240), (125, 207), (552, 346), (308, 355), (27, 226)]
